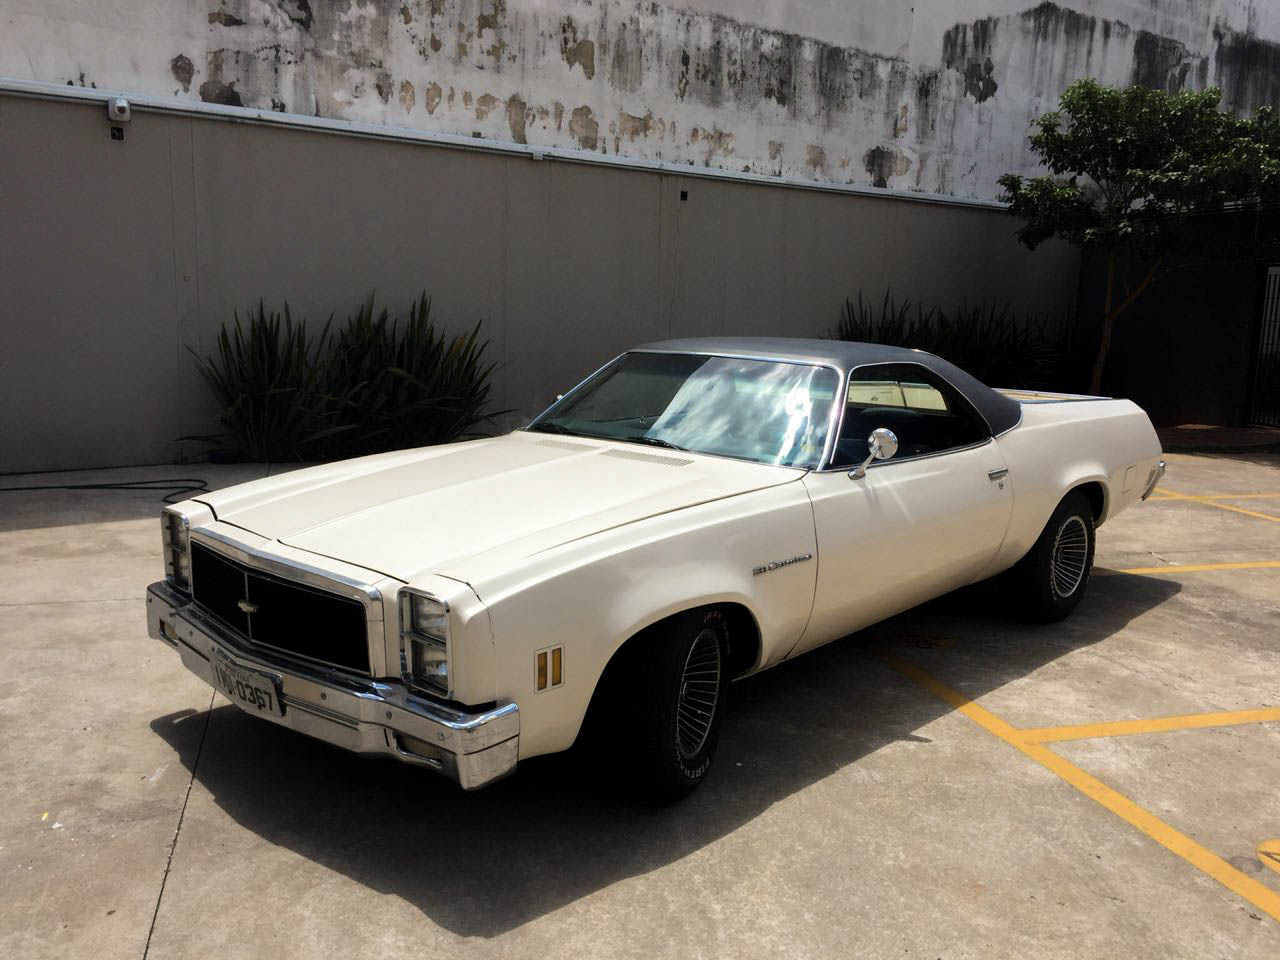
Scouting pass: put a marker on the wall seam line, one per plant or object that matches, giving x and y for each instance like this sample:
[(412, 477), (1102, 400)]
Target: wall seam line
[(270, 118)]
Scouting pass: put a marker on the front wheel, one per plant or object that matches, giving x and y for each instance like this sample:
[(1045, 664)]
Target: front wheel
[(1052, 577), (679, 681)]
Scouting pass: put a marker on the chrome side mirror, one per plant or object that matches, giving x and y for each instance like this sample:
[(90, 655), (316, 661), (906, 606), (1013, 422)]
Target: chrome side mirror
[(883, 444)]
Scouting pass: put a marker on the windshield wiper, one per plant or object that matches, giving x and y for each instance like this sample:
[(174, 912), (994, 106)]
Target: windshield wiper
[(652, 441), (546, 426)]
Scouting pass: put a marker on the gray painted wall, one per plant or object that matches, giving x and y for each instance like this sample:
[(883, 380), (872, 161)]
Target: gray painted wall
[(116, 257), (926, 95)]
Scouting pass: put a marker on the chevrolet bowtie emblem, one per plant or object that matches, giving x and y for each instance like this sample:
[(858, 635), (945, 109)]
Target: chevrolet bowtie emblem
[(247, 607)]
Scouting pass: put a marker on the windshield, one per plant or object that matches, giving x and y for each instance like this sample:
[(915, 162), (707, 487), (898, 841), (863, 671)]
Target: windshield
[(762, 410)]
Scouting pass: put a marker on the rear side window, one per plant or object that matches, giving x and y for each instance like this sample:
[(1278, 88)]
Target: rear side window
[(925, 412), (909, 394)]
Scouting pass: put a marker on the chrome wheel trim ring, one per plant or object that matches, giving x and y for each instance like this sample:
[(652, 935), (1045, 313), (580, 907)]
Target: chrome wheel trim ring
[(698, 694), (1069, 558)]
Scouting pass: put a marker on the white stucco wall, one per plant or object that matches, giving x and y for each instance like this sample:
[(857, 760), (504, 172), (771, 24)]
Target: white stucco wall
[(934, 95)]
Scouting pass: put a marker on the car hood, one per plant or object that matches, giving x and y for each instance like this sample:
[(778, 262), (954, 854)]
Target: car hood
[(425, 511)]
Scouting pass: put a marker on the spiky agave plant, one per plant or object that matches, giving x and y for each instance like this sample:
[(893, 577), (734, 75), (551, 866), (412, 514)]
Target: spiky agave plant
[(407, 387), (444, 382), (990, 342), (355, 381), (893, 324), (371, 387), (1000, 348), (267, 378)]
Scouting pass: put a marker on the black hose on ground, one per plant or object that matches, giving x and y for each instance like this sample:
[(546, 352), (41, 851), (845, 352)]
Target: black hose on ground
[(178, 487)]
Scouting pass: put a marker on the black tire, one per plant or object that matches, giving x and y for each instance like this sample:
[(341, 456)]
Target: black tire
[(676, 691), (1051, 579)]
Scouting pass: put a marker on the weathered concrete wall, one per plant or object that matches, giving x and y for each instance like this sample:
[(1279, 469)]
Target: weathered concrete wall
[(115, 257), (934, 95)]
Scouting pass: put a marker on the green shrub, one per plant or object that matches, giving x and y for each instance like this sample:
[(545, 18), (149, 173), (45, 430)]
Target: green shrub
[(369, 387), (993, 344), (267, 377), (410, 388)]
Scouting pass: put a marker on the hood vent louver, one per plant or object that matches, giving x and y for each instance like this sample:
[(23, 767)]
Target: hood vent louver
[(648, 458)]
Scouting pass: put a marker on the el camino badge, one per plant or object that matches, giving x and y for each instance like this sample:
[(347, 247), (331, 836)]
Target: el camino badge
[(779, 564)]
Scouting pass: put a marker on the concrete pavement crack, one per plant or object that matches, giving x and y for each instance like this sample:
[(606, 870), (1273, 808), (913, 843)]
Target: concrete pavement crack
[(173, 844)]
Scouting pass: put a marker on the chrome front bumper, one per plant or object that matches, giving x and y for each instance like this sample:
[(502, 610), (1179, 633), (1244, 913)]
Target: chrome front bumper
[(362, 715)]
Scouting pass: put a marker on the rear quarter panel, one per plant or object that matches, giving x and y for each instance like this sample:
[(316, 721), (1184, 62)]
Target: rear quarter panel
[(1060, 446)]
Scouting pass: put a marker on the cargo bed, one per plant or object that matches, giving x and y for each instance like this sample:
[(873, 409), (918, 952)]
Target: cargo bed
[(1044, 396)]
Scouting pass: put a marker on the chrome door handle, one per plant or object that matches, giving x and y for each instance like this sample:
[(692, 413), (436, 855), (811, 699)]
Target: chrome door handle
[(994, 475)]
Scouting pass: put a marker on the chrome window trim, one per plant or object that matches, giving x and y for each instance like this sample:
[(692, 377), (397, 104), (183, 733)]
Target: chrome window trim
[(836, 408), (304, 575), (917, 457), (827, 468), (574, 389), (1016, 424)]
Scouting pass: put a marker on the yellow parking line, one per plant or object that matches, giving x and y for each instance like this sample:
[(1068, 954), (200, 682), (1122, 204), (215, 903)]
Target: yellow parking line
[(1262, 897), (1197, 567), (1173, 495), (1226, 506), (1190, 721)]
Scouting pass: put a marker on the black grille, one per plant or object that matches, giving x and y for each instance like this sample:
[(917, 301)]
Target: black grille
[(286, 616)]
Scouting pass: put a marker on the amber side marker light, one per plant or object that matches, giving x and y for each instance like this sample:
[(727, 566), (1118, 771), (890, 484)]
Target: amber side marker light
[(550, 668)]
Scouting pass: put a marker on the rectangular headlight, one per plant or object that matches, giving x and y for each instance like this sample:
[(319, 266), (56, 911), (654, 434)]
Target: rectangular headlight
[(175, 536), (429, 663), (430, 617), (424, 637)]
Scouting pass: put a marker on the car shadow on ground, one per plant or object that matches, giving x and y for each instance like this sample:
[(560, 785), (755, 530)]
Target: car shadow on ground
[(482, 863)]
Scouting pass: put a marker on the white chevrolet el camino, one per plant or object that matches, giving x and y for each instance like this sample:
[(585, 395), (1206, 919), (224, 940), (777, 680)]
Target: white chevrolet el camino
[(694, 512)]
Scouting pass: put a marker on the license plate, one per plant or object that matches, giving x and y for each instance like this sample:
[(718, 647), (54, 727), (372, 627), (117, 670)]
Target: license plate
[(255, 692)]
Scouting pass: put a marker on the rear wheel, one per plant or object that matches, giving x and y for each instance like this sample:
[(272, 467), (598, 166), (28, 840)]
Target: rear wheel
[(1052, 577)]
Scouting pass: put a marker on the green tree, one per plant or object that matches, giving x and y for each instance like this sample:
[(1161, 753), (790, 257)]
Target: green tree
[(1152, 181)]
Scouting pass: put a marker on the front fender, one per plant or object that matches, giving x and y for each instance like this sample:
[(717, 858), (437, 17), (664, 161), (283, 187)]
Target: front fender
[(590, 596)]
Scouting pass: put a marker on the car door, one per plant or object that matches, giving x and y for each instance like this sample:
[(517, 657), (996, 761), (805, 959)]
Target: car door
[(915, 526)]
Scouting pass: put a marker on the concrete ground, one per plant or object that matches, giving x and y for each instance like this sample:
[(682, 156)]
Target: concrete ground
[(948, 784)]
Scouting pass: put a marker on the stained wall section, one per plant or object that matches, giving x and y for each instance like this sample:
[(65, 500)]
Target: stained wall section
[(930, 95), (119, 258)]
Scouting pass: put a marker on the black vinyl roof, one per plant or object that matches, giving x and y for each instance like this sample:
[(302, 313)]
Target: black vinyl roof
[(1001, 413)]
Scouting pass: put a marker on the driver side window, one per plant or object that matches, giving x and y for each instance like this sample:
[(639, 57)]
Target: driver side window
[(925, 413)]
